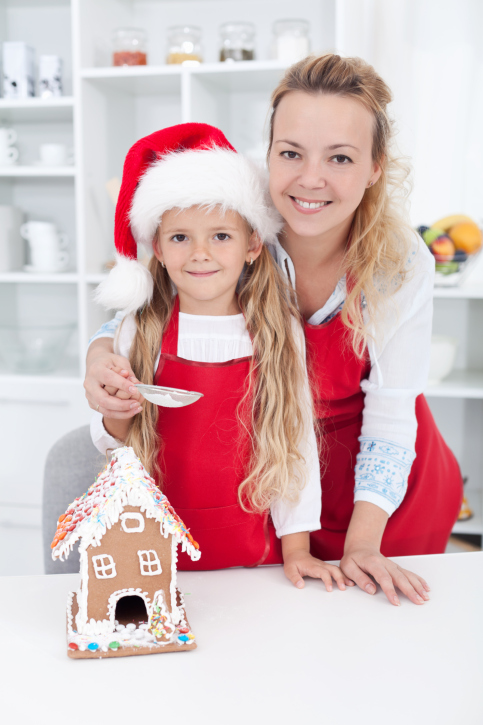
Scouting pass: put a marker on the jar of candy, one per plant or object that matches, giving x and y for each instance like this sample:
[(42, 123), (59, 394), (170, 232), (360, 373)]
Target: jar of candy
[(291, 40), (129, 47), (237, 41), (184, 44)]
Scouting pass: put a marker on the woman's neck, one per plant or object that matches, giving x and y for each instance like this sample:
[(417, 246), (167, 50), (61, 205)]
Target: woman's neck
[(319, 264), (320, 252)]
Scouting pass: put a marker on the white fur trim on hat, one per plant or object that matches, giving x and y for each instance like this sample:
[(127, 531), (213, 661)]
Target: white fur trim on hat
[(206, 177), (128, 286)]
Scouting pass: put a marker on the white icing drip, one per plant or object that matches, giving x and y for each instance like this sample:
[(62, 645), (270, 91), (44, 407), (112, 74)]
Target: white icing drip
[(129, 478), (172, 586)]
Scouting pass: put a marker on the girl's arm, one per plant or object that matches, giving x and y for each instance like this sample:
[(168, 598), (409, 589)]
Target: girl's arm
[(298, 562), (293, 523)]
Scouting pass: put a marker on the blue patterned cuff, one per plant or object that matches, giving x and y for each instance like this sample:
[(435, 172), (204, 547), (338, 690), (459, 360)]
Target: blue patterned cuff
[(108, 329), (383, 469)]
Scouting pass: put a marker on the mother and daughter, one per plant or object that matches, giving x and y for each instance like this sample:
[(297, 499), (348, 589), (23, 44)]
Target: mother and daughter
[(307, 331)]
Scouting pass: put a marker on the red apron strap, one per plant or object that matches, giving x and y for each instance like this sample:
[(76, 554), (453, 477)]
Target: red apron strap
[(169, 345)]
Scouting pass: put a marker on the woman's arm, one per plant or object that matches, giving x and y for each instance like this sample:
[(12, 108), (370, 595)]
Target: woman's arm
[(106, 369), (362, 556), (400, 364)]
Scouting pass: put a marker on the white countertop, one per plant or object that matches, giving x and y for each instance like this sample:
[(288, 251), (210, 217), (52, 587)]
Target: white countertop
[(267, 653)]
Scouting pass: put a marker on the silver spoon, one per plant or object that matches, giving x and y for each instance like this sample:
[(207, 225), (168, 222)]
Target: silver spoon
[(168, 397)]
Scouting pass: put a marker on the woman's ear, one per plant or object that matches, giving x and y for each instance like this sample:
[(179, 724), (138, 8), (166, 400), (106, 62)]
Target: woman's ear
[(255, 246), (376, 171)]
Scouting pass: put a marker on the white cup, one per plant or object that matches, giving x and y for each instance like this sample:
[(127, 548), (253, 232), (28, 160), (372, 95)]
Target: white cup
[(55, 154), (47, 247), (8, 155), (7, 137), (11, 245)]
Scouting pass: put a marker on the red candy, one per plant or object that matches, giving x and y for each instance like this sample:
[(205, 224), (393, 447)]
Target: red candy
[(72, 645), (183, 630)]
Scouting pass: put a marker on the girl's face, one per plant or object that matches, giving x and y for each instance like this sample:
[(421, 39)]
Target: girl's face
[(320, 161), (204, 253)]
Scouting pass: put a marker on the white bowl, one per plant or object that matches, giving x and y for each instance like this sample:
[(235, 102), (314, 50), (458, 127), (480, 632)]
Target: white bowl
[(443, 353)]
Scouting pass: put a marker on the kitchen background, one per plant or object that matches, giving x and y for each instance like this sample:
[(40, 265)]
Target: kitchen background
[(68, 115)]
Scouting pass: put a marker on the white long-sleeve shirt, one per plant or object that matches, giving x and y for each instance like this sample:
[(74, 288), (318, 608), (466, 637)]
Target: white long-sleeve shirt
[(399, 354), (399, 350), (218, 339)]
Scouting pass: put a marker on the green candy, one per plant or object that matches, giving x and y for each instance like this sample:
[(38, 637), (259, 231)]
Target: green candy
[(114, 645)]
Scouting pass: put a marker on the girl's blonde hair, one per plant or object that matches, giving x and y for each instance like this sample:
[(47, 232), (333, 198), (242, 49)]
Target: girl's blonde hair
[(376, 259), (270, 413)]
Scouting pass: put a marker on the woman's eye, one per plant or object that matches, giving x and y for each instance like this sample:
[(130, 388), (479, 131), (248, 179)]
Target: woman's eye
[(342, 159), (289, 154), (222, 237), (179, 238)]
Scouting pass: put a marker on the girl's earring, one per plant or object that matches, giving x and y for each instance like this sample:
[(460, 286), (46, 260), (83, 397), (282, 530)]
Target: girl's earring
[(251, 261), (371, 184), (163, 265)]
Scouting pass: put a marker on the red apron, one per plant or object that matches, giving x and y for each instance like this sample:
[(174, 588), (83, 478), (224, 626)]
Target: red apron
[(204, 459), (424, 520)]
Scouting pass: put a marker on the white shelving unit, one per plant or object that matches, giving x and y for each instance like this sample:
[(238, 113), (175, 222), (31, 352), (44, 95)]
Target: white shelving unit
[(106, 110)]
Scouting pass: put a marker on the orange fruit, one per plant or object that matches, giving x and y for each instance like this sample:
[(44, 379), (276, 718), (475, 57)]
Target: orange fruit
[(466, 236)]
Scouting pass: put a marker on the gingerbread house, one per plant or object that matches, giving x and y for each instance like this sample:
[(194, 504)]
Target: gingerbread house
[(128, 602)]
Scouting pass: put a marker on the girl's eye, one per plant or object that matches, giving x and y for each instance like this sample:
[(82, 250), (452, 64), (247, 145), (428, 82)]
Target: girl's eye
[(222, 237), (289, 154), (342, 159), (179, 237)]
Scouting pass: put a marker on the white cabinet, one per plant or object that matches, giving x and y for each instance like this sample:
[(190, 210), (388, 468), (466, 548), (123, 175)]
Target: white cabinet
[(105, 110)]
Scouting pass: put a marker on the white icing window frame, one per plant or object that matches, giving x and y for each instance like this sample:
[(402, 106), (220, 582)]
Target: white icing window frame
[(150, 566), (133, 516), (100, 568)]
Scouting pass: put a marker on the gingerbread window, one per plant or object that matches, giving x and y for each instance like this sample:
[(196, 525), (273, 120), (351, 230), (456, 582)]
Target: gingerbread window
[(104, 566), (132, 523), (149, 562)]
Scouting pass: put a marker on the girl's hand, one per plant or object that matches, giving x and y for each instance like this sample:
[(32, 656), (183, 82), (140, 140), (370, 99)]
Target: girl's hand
[(104, 368), (300, 563), (358, 562)]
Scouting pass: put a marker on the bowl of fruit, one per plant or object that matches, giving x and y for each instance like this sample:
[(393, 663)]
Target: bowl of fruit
[(455, 242)]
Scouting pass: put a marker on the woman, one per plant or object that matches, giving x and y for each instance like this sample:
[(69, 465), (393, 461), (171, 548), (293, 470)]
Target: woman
[(364, 283)]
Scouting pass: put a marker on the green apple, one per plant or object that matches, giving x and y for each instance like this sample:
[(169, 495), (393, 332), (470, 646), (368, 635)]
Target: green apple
[(431, 234)]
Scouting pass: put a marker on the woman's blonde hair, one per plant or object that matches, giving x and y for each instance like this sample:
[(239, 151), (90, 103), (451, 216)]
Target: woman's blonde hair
[(270, 413), (376, 258)]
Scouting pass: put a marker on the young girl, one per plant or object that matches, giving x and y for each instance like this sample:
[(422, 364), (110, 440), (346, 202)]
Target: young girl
[(213, 315), (364, 284)]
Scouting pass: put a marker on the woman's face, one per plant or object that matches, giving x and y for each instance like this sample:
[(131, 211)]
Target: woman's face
[(320, 161)]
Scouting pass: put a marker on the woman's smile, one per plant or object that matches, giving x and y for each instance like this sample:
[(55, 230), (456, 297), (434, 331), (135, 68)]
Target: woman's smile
[(308, 206)]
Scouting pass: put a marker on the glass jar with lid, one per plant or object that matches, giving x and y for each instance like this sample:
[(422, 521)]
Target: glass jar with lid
[(184, 44), (237, 41), (129, 46), (291, 40)]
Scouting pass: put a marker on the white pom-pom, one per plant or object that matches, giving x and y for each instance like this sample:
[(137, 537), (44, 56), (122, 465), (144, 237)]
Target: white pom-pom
[(128, 287)]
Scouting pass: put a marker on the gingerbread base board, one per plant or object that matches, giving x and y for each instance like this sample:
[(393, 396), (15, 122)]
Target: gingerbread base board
[(123, 650)]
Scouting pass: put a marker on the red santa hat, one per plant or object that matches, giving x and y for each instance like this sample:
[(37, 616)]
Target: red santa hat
[(191, 164)]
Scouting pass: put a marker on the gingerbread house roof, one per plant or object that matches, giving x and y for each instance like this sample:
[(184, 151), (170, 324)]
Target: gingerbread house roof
[(123, 482)]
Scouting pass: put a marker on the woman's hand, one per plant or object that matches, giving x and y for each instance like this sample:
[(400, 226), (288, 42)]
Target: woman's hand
[(107, 374), (366, 560), (298, 562)]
